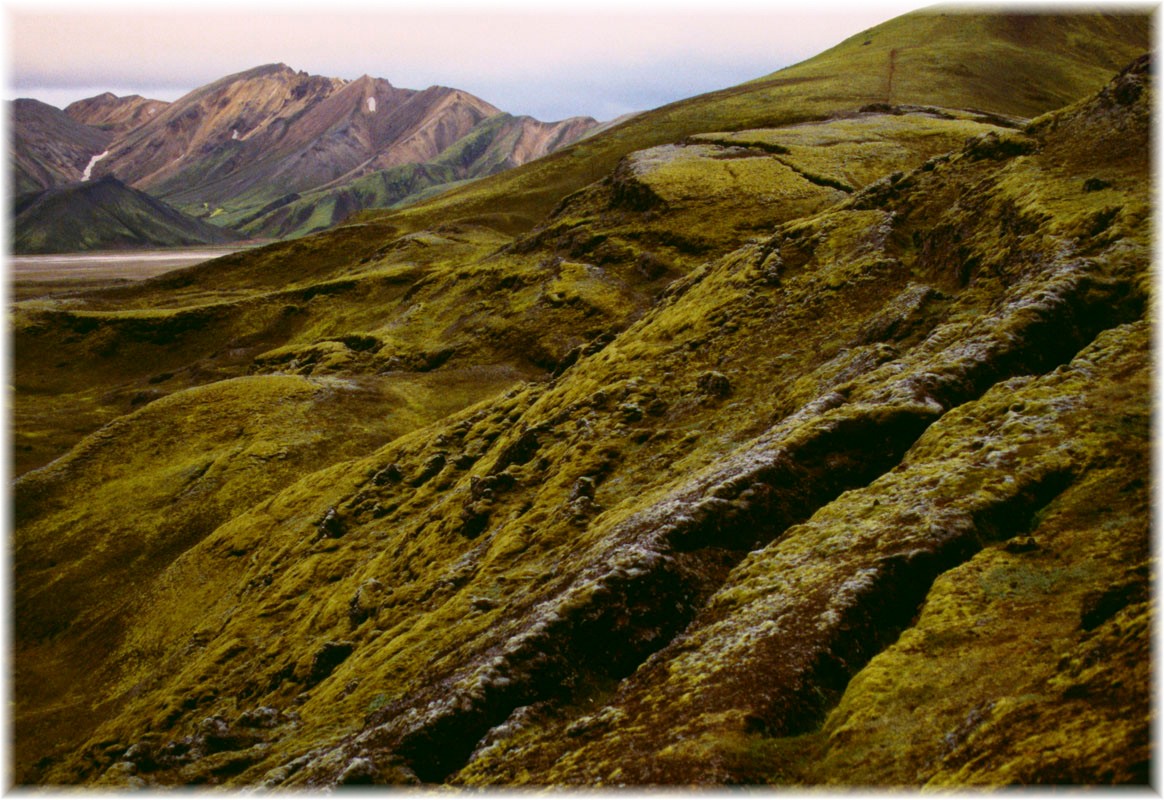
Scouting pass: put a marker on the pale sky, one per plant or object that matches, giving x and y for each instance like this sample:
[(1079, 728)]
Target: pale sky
[(602, 59)]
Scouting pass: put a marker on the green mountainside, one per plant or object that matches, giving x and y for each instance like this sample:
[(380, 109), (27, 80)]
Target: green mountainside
[(105, 214), (797, 434)]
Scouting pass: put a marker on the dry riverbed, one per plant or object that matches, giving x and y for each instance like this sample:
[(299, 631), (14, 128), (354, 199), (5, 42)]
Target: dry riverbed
[(41, 275)]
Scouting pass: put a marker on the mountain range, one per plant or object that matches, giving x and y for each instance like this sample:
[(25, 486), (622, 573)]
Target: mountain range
[(794, 435), (272, 152)]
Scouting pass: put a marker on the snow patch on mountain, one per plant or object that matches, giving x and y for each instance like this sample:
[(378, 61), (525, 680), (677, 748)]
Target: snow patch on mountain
[(92, 162)]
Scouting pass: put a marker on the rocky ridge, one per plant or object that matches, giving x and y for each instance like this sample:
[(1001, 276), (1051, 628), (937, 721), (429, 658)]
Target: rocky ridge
[(250, 140), (118, 115), (274, 152)]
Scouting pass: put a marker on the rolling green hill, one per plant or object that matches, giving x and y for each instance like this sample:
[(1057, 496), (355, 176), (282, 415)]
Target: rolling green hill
[(797, 434)]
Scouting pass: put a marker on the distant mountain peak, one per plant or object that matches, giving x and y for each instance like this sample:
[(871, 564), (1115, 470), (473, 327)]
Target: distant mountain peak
[(268, 69), (270, 133), (117, 115)]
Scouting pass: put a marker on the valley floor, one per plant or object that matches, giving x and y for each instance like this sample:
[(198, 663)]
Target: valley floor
[(108, 264), (44, 276)]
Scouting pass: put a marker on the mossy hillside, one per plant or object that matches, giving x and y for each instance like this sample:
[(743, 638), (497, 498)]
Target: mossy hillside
[(956, 351), (339, 250), (531, 553), (673, 206), (398, 316), (852, 151), (999, 681), (78, 371), (257, 555), (108, 352), (1018, 64), (1033, 614), (422, 299), (1057, 601), (159, 480), (947, 349)]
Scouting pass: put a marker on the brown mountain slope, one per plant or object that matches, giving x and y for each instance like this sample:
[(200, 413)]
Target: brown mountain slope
[(280, 153), (495, 144), (248, 104), (271, 131), (277, 152), (50, 148), (534, 139), (118, 115)]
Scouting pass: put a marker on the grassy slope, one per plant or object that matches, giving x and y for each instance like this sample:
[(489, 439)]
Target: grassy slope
[(359, 302)]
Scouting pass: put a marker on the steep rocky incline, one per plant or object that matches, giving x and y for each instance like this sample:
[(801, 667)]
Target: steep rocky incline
[(526, 138), (50, 148), (860, 500), (261, 137)]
